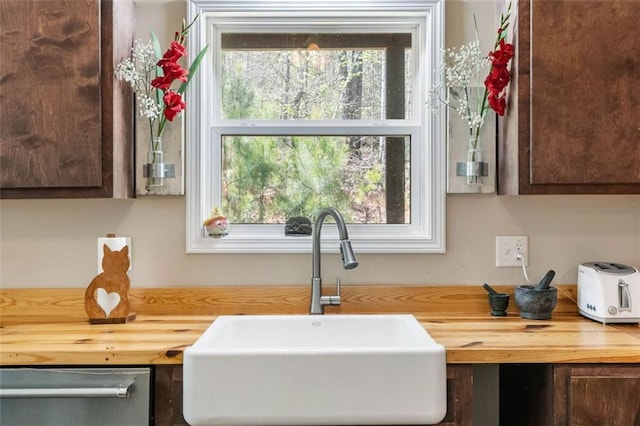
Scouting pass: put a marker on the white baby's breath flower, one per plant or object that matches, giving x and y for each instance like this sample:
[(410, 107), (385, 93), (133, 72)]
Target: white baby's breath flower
[(126, 71), (464, 66), (148, 107), (143, 53), (460, 72), (137, 71)]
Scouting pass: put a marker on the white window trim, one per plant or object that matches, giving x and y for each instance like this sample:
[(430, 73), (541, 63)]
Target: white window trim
[(427, 231)]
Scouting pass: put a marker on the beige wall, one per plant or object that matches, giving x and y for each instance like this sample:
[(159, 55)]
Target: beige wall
[(52, 243)]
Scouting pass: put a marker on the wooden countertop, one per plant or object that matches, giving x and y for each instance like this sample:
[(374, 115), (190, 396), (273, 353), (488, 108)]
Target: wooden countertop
[(49, 326)]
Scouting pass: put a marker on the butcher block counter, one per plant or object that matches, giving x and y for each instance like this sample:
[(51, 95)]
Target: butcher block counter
[(50, 327)]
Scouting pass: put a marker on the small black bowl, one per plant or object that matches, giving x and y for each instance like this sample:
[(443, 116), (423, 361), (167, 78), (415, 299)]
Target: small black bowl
[(498, 303), (535, 303)]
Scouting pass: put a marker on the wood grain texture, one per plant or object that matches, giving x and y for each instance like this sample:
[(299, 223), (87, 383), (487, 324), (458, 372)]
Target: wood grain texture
[(168, 396), (50, 83), (585, 88), (49, 326), (117, 33), (31, 304), (72, 138), (518, 152), (459, 396), (594, 395), (113, 282)]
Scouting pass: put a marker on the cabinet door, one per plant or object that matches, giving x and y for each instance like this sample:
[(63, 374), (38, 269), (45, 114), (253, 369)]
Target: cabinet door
[(597, 395), (575, 99), (168, 396), (66, 127), (459, 396)]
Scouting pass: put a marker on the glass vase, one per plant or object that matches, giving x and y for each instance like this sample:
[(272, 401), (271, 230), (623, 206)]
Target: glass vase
[(475, 166), (154, 170)]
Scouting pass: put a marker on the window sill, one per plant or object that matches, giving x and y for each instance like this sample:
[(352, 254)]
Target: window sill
[(270, 243)]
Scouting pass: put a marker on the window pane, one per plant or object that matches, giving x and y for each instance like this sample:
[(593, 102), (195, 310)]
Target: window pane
[(267, 179), (316, 76)]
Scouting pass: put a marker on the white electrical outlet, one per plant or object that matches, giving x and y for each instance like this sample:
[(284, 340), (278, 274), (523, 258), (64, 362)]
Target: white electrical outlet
[(508, 248)]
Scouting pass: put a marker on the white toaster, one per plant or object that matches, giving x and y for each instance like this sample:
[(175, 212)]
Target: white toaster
[(609, 292)]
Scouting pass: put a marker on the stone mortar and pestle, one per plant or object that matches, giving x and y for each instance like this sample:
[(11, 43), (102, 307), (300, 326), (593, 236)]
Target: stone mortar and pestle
[(498, 302), (537, 302)]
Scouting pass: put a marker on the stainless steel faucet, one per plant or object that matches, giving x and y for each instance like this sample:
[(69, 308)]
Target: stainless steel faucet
[(318, 301)]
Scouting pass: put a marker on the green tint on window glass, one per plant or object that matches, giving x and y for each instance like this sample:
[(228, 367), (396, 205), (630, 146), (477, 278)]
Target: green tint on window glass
[(324, 76), (267, 179)]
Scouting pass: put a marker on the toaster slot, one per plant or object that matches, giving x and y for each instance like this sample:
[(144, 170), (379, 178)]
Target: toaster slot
[(624, 296), (610, 267)]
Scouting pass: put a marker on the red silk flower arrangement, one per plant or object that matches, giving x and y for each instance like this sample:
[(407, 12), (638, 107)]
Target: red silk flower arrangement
[(171, 71), (152, 77), (499, 75)]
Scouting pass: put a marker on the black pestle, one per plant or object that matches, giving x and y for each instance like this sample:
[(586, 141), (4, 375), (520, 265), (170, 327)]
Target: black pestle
[(489, 289), (545, 282)]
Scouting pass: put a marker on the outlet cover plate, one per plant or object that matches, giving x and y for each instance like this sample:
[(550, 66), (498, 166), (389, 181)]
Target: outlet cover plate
[(507, 247)]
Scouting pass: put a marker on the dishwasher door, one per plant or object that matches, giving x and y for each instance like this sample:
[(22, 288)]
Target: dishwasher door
[(75, 396)]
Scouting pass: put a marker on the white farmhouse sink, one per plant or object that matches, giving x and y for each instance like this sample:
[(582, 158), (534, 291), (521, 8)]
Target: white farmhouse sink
[(315, 370)]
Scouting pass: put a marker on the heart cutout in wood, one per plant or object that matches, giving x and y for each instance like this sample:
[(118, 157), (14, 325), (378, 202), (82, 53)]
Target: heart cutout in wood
[(107, 301)]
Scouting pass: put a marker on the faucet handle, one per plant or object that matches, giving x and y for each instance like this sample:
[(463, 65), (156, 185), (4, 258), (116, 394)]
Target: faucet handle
[(335, 300), (332, 300)]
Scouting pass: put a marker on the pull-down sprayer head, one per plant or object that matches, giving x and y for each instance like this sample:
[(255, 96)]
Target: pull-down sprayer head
[(349, 260)]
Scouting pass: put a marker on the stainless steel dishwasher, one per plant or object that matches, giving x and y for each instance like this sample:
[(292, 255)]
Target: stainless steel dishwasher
[(75, 396)]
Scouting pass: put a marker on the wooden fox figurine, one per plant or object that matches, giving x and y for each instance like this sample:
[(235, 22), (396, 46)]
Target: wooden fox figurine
[(106, 298)]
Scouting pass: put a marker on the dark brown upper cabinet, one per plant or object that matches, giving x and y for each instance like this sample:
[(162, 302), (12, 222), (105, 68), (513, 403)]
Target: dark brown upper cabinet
[(573, 120), (66, 126)]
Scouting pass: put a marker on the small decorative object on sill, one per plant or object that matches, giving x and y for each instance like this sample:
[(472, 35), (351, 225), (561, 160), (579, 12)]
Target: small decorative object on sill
[(106, 299), (299, 226), (474, 168), (152, 76), (216, 225), (461, 72), (156, 170)]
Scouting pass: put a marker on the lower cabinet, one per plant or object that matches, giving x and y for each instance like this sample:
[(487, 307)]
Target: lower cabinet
[(596, 395), (168, 396), (570, 394), (167, 409), (459, 395)]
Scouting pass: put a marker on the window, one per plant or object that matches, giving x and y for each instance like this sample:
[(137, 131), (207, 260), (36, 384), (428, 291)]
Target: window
[(309, 104)]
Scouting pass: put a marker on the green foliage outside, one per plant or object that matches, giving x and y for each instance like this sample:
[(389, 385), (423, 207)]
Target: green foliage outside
[(268, 179)]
